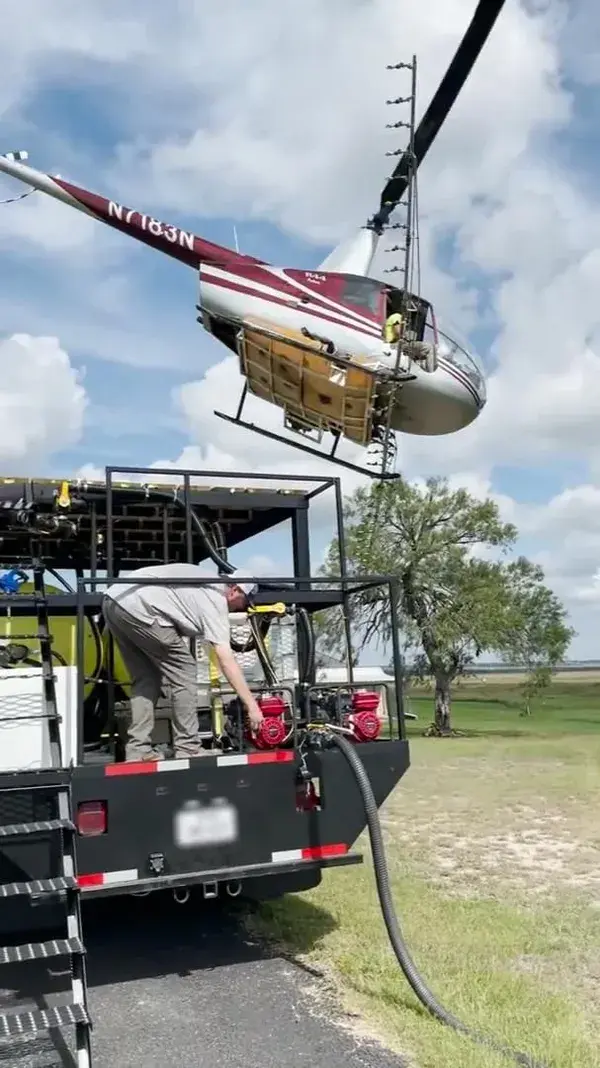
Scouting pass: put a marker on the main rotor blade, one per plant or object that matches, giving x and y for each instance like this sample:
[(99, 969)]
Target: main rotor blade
[(180, 244), (467, 53)]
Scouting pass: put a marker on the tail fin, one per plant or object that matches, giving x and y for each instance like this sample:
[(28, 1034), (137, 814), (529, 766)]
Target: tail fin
[(180, 244), (355, 255)]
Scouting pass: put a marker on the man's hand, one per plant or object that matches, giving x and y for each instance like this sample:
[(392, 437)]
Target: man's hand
[(255, 716), (231, 670)]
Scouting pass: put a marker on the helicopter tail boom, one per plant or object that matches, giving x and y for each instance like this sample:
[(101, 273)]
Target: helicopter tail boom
[(182, 245)]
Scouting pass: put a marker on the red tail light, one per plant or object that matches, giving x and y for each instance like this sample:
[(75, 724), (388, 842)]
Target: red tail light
[(92, 818)]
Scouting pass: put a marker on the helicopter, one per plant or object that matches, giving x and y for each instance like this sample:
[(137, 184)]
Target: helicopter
[(338, 351)]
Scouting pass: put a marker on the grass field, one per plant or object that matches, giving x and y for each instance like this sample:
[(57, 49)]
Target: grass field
[(493, 843)]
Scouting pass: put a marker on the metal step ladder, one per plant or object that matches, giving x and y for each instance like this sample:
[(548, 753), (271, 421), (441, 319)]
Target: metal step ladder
[(72, 1009)]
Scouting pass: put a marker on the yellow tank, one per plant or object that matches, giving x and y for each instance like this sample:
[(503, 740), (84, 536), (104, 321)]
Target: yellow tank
[(63, 630)]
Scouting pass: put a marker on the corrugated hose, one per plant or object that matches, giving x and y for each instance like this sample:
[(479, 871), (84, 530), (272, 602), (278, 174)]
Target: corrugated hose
[(415, 980)]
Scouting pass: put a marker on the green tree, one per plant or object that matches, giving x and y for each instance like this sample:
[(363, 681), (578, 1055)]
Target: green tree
[(453, 603), (538, 635)]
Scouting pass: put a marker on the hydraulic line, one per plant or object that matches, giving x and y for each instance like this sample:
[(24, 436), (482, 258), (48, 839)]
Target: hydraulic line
[(214, 542), (262, 652), (307, 668), (95, 674), (225, 568), (416, 982)]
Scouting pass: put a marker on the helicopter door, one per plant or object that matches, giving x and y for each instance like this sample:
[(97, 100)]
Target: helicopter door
[(416, 313)]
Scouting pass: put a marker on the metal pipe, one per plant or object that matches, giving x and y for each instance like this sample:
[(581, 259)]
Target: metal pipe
[(394, 592), (189, 546), (193, 473), (343, 561), (357, 583), (80, 661), (109, 523)]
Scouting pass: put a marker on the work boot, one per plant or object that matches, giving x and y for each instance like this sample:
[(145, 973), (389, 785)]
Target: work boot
[(144, 758), (201, 752)]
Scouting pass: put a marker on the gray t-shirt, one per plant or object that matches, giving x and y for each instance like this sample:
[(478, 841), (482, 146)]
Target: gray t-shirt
[(196, 611)]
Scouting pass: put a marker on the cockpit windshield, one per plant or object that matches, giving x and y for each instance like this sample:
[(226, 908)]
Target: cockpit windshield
[(450, 350)]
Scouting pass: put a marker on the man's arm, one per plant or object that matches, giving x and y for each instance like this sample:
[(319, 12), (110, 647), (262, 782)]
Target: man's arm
[(234, 675)]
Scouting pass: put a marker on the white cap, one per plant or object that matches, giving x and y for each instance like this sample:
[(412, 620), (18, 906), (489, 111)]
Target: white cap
[(246, 587)]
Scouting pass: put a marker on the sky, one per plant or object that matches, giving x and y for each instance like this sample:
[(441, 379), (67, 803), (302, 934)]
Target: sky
[(270, 118)]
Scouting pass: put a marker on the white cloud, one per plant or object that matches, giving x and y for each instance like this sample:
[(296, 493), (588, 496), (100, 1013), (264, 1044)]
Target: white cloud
[(262, 139), (277, 112), (314, 164), (42, 402)]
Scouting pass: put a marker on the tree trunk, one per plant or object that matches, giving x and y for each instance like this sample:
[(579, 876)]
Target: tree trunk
[(442, 705)]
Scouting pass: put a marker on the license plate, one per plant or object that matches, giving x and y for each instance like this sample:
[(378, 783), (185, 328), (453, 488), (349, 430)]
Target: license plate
[(206, 825)]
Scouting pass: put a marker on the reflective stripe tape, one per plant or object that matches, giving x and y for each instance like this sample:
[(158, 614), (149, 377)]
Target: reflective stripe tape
[(283, 856), (181, 764), (273, 756), (108, 878), (148, 767), (235, 760)]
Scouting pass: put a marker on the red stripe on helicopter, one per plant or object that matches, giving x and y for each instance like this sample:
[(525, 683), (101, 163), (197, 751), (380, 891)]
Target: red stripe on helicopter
[(316, 312), (280, 280), (460, 376), (268, 282)]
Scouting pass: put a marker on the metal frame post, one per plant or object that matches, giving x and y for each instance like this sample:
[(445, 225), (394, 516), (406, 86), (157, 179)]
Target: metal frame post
[(394, 591), (80, 640), (301, 564), (343, 560)]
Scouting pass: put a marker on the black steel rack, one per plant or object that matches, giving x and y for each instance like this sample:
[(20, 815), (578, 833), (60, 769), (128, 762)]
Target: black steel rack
[(102, 529), (132, 518)]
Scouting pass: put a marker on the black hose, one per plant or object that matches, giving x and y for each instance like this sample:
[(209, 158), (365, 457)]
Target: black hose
[(307, 668), (60, 578), (94, 676), (224, 567), (390, 917), (263, 654)]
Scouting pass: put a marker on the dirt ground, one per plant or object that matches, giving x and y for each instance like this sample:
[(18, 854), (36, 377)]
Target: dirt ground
[(524, 816)]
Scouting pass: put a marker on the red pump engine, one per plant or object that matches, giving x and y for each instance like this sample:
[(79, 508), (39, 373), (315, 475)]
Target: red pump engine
[(273, 730), (363, 719)]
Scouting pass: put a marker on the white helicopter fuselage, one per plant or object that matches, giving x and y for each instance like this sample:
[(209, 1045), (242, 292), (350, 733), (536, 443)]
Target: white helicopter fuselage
[(337, 301), (433, 403)]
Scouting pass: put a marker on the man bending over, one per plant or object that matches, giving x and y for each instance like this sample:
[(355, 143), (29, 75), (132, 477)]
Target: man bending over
[(150, 624)]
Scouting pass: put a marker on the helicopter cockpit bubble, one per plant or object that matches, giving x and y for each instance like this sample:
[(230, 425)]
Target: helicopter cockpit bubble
[(456, 353)]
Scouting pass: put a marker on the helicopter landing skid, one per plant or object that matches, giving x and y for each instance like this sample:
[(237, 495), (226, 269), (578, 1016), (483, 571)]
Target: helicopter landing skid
[(386, 476)]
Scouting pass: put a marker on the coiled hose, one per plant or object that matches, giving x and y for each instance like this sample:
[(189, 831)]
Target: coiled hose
[(390, 917)]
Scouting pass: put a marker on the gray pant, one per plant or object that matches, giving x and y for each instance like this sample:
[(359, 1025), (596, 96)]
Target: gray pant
[(153, 654)]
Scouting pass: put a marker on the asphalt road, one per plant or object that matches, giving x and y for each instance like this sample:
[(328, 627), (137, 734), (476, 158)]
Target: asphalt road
[(182, 987)]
